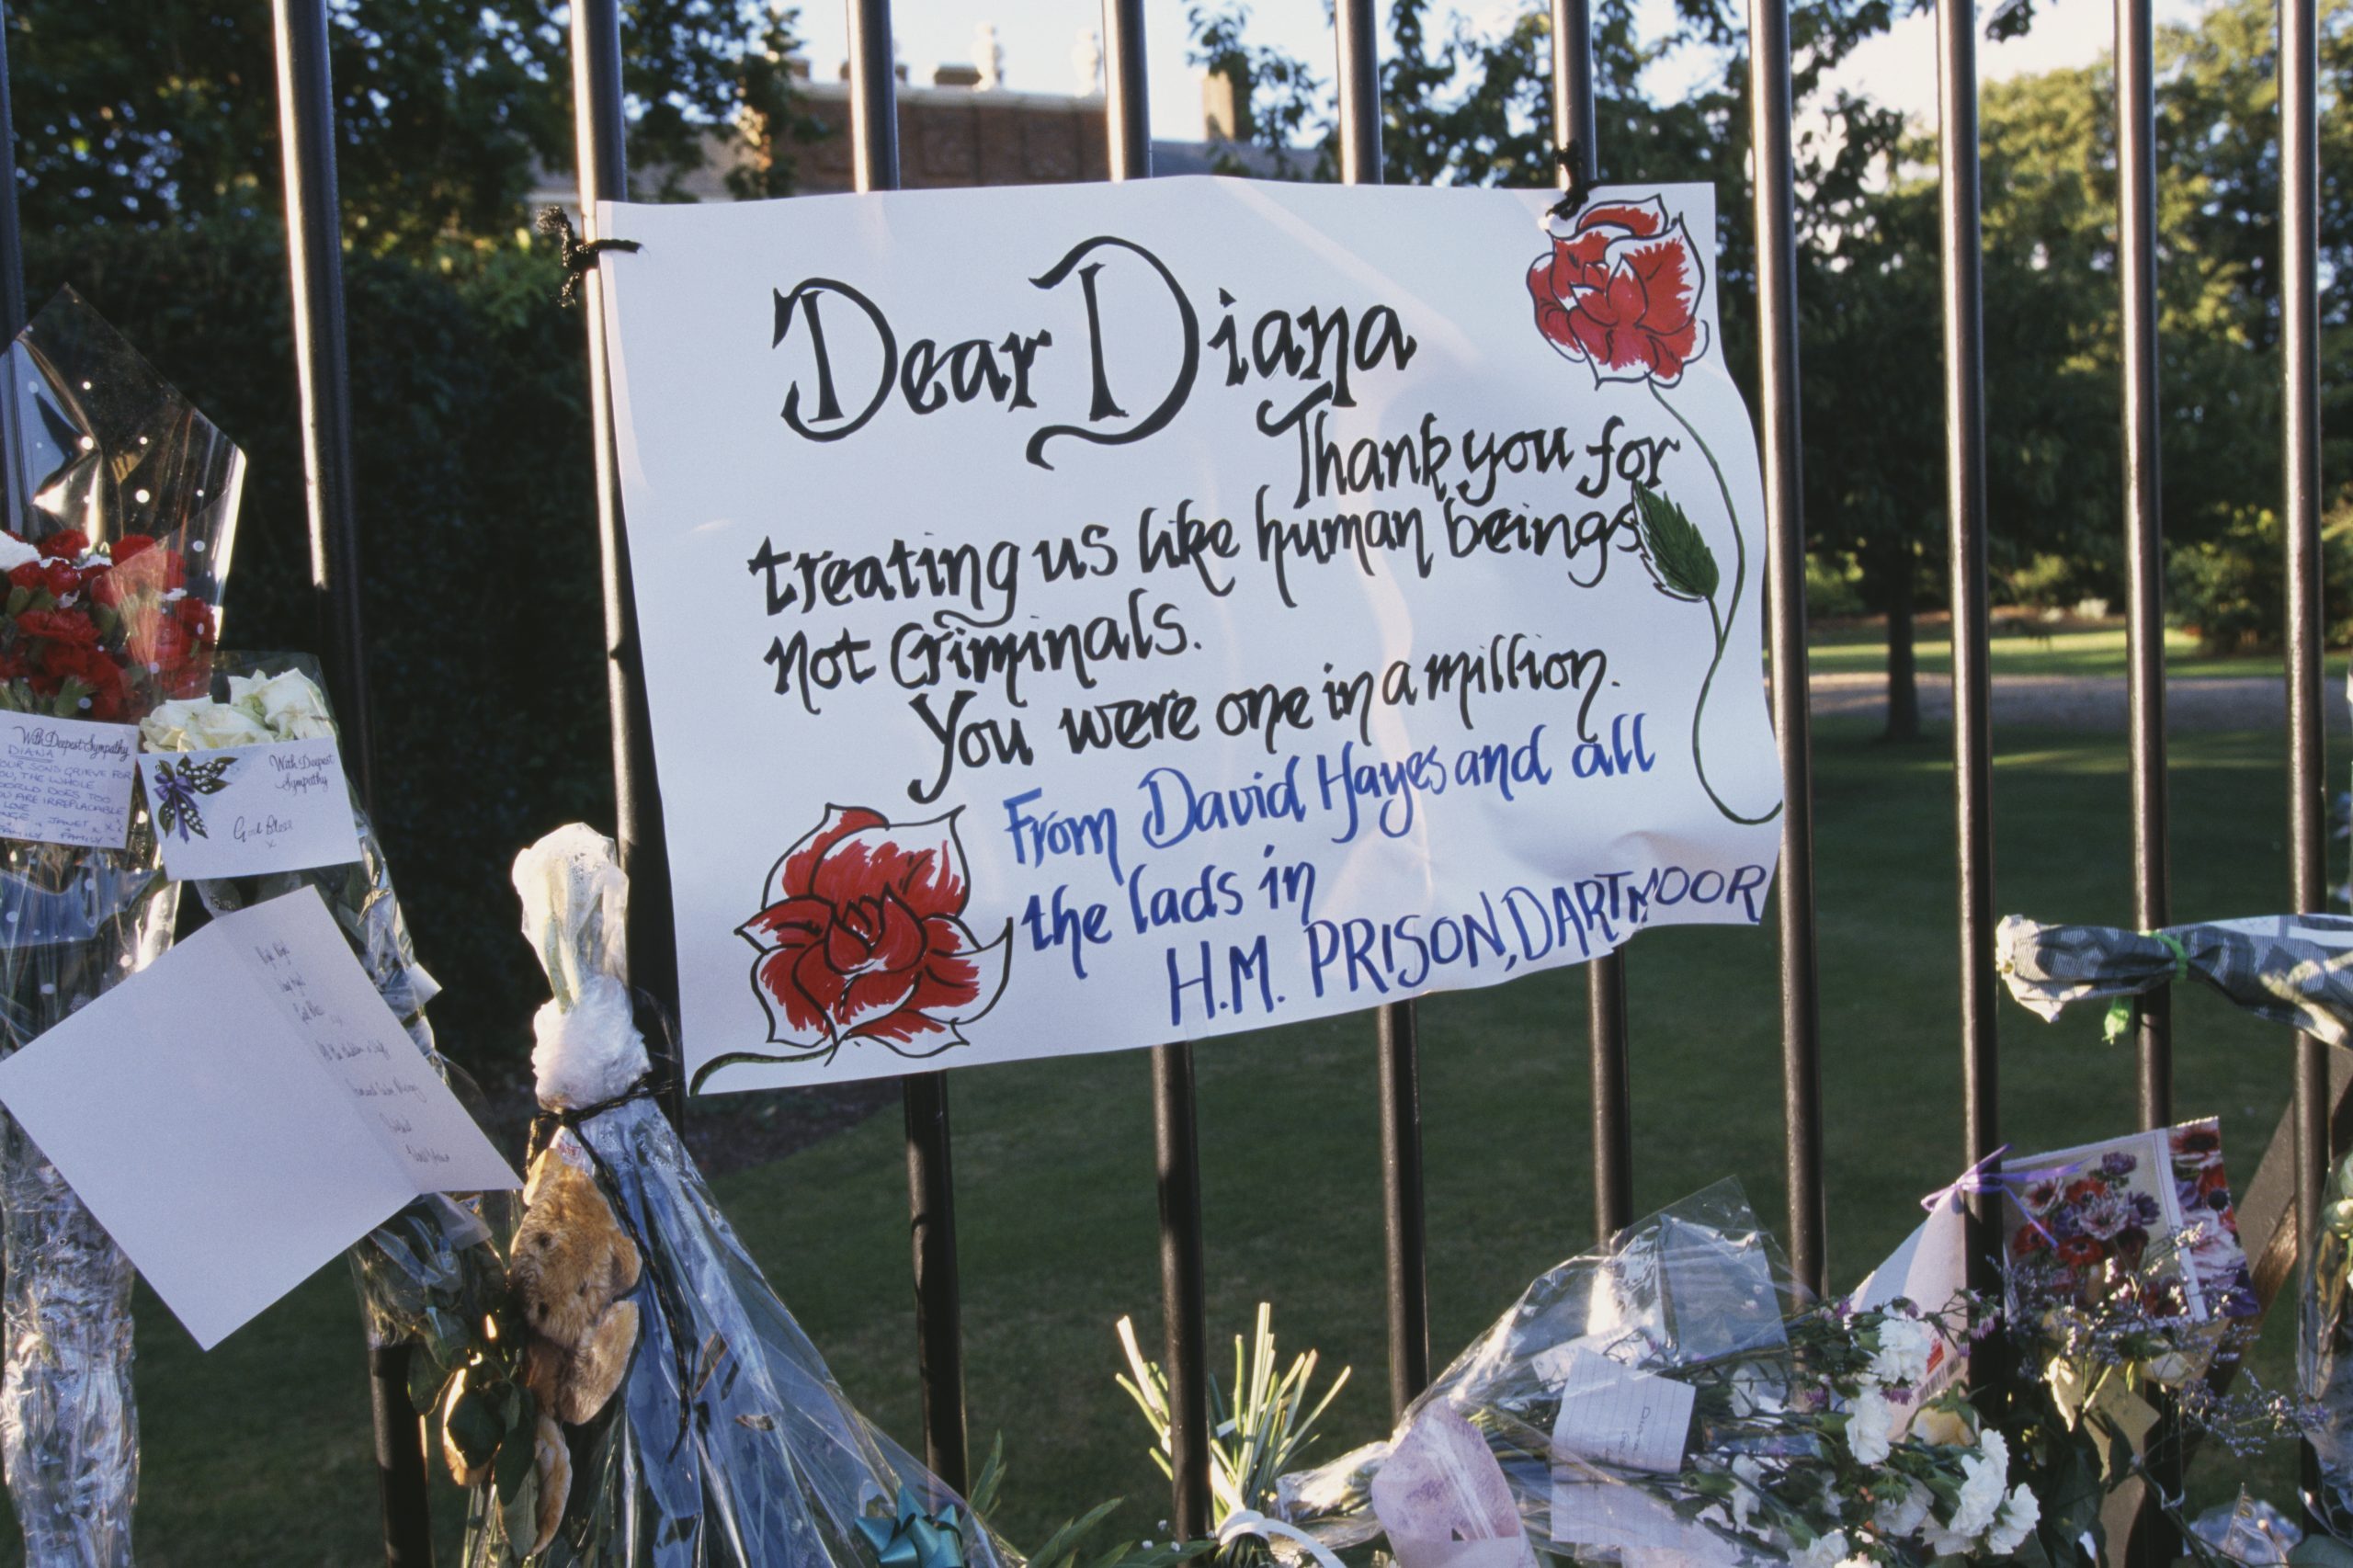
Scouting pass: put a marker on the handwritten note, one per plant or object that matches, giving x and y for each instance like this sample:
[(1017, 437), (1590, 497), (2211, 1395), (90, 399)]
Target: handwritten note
[(247, 811), (66, 780), (243, 1110), (1614, 1416)]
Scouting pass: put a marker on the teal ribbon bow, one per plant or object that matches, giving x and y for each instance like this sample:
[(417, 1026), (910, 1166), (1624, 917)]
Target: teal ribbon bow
[(914, 1539), (2119, 1012)]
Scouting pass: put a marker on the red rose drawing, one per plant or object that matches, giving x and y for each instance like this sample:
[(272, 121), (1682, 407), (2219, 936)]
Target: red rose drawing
[(1620, 291), (863, 937)]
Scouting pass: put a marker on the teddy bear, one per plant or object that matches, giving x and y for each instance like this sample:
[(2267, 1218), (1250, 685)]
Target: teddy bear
[(569, 1277)]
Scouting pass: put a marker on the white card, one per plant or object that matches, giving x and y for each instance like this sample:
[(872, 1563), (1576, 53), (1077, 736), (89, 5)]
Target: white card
[(66, 780), (1589, 1509), (247, 810), (1930, 1270), (1614, 1416), (244, 1109)]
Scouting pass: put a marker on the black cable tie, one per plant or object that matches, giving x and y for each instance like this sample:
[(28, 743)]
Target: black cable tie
[(1580, 190), (576, 254)]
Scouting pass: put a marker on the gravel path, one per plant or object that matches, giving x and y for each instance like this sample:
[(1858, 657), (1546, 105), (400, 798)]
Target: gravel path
[(2087, 702)]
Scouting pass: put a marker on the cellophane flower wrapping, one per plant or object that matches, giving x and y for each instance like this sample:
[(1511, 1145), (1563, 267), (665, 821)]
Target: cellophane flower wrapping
[(423, 1270), (122, 504), (1667, 1399), (729, 1444)]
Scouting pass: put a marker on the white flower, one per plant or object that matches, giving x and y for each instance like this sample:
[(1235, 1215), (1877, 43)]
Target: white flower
[(1900, 1517), (1748, 1480), (1869, 1425), (1901, 1358), (293, 708), (2016, 1521), (1984, 1475), (15, 552), (198, 724), (1827, 1552)]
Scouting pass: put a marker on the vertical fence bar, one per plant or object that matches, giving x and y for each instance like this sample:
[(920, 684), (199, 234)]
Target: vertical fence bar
[(315, 259), (1394, 1033), (1127, 109), (599, 138), (2150, 1540), (314, 263), (1776, 319), (1961, 257), (12, 249), (931, 1186), (2136, 161), (1613, 1141), (2300, 430)]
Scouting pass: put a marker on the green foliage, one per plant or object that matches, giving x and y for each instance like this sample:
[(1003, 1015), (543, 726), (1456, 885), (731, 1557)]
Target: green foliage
[(1673, 548), (482, 610), (2230, 590), (161, 112), (1255, 1436)]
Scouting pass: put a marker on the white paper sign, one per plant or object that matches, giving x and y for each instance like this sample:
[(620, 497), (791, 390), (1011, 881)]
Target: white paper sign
[(66, 780), (248, 810), (1082, 617), (1615, 1416), (244, 1109)]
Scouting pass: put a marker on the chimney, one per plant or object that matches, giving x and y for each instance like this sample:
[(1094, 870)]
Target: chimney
[(1225, 105), (955, 76)]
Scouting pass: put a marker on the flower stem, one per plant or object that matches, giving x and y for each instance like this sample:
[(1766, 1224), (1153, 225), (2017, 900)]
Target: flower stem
[(1722, 623)]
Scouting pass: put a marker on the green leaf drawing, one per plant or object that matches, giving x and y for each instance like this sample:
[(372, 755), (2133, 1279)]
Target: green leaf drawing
[(1678, 557)]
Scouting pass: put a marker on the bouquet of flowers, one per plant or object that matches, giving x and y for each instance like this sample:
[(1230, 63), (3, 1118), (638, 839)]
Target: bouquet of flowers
[(121, 505), (2292, 968), (644, 1398), (423, 1275), (1663, 1400)]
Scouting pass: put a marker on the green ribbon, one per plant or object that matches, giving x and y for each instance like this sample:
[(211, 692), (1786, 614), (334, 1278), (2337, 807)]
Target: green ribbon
[(2119, 1012), (914, 1539)]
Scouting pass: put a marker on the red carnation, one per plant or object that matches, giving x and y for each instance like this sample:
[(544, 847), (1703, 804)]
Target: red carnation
[(32, 576), (1620, 291), (60, 578), (66, 544), (58, 626), (99, 676), (103, 587), (863, 937), (130, 546)]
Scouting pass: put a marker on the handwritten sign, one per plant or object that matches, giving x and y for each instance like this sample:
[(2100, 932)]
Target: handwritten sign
[(244, 1109), (66, 780), (247, 810), (1084, 617)]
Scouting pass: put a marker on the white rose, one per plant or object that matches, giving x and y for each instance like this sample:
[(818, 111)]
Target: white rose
[(2018, 1516), (15, 552), (198, 724), (1869, 1426), (1901, 1358), (289, 704)]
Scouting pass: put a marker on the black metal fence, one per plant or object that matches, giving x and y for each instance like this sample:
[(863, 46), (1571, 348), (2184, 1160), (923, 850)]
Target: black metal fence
[(2281, 1205)]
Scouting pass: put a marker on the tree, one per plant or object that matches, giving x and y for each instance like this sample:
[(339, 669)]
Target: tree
[(164, 111)]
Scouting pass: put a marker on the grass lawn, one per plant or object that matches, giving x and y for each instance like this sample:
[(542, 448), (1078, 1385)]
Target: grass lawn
[(2022, 648), (258, 1453)]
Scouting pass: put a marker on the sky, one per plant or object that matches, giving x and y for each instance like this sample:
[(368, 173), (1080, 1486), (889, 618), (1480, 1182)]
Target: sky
[(1038, 37)]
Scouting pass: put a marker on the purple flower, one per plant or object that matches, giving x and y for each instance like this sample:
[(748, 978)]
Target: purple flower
[(2119, 1163)]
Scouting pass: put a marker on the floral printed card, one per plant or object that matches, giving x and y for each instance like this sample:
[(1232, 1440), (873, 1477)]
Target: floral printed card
[(2153, 1207)]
